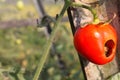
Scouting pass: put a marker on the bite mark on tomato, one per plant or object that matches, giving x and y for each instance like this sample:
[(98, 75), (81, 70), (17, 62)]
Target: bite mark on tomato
[(109, 46)]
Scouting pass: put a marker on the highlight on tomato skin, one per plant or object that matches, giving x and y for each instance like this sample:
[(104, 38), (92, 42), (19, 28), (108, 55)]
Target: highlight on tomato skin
[(96, 42)]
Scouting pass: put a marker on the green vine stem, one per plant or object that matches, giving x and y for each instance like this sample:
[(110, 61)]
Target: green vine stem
[(48, 44), (92, 10)]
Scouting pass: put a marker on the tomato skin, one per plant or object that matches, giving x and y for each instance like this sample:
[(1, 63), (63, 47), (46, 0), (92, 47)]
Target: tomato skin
[(91, 41)]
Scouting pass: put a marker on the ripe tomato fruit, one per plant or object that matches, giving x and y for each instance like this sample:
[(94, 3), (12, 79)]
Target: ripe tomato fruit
[(96, 42)]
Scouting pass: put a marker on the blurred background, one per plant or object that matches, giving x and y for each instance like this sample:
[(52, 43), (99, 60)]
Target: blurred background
[(21, 43)]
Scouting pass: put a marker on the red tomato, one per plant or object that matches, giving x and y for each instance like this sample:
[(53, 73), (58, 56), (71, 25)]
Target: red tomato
[(96, 42)]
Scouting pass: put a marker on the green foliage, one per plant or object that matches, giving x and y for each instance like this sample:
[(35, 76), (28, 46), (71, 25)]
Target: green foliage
[(26, 53)]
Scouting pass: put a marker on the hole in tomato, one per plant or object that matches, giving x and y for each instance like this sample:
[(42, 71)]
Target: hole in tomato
[(109, 45)]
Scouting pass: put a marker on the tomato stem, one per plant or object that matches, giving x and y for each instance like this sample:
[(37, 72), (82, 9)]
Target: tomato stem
[(93, 11)]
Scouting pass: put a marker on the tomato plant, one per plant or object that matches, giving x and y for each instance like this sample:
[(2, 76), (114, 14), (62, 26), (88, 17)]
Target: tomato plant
[(96, 42)]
